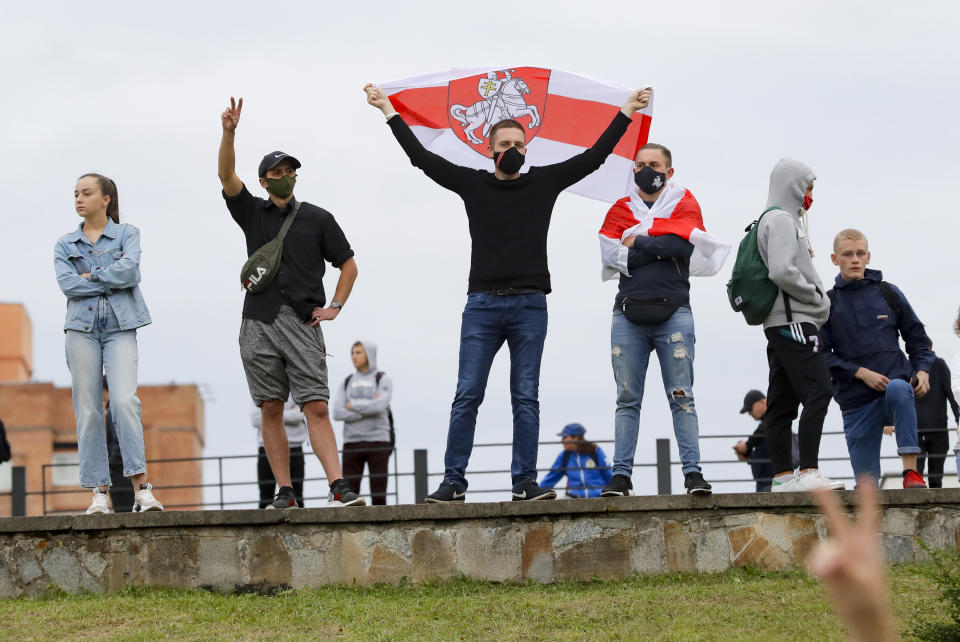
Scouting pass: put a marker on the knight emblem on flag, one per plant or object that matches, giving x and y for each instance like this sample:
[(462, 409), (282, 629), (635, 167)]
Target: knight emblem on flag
[(477, 103)]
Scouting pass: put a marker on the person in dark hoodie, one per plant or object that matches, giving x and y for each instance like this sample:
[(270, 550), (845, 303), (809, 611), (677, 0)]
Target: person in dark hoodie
[(798, 373), (363, 405), (871, 375), (932, 430)]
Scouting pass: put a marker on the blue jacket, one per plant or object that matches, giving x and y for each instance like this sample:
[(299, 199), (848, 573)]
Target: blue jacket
[(586, 474), (114, 268), (863, 331)]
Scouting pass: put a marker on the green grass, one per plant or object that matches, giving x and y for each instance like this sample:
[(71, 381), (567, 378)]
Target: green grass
[(737, 605)]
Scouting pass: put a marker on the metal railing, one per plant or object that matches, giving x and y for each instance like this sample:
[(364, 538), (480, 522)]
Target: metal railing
[(421, 476)]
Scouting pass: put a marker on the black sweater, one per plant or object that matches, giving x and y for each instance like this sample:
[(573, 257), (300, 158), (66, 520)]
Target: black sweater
[(509, 219), (932, 407)]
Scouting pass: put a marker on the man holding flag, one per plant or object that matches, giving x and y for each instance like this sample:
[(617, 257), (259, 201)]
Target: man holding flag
[(654, 240), (509, 216)]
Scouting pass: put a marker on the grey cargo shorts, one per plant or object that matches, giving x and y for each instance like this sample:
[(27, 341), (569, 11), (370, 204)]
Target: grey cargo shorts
[(283, 357)]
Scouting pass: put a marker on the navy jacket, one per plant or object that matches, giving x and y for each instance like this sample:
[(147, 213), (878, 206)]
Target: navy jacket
[(863, 331)]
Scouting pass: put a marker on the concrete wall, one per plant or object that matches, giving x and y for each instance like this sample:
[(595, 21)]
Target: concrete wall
[(540, 541)]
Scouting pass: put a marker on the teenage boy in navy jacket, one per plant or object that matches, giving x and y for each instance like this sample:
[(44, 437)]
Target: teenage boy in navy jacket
[(871, 375)]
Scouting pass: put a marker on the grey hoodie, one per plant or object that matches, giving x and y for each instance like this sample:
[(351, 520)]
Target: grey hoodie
[(366, 419), (787, 251)]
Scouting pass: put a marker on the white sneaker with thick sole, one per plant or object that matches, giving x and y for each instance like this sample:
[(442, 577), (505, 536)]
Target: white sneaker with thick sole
[(144, 500), (830, 484), (99, 505), (813, 479)]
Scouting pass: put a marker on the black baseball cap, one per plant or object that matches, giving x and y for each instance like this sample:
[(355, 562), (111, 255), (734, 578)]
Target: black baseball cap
[(273, 159), (751, 398)]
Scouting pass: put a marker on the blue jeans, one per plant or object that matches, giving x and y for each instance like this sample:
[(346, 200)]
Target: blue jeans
[(863, 427), (488, 321), (105, 348), (631, 345)]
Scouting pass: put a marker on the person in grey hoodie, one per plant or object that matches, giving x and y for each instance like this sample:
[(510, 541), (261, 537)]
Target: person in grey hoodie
[(363, 405), (798, 371)]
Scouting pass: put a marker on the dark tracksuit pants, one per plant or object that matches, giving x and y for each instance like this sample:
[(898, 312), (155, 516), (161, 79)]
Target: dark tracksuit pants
[(376, 455), (268, 482), (934, 443), (798, 375)]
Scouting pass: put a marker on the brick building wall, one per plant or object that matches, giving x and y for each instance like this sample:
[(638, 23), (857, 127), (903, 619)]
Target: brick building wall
[(41, 429)]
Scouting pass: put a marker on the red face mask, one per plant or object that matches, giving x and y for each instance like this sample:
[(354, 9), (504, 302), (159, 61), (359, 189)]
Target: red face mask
[(807, 202)]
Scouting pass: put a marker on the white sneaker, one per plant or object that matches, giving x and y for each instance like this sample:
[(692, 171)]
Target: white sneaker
[(788, 486), (144, 500), (813, 479), (99, 505), (830, 484)]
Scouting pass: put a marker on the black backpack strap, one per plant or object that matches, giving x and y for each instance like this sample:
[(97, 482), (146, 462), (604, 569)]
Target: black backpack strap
[(566, 460), (346, 382), (892, 299)]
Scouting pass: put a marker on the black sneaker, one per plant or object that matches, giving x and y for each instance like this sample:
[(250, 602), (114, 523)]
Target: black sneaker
[(696, 484), (285, 499), (528, 490), (448, 492), (342, 495), (619, 486)]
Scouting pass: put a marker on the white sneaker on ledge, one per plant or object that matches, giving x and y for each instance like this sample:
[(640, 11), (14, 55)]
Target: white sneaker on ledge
[(99, 505), (787, 486), (815, 479), (830, 484), (144, 500)]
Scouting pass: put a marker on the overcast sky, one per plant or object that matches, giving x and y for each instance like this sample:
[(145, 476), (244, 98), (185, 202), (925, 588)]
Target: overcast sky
[(864, 92)]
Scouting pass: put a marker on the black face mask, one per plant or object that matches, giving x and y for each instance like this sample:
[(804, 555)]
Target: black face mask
[(649, 180), (509, 161)]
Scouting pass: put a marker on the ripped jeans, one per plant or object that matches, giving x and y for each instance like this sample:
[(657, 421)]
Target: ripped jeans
[(631, 345)]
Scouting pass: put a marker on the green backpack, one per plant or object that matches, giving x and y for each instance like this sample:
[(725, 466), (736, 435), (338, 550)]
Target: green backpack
[(750, 289)]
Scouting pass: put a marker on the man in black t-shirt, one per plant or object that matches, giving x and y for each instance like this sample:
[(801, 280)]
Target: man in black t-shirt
[(509, 215), (281, 345)]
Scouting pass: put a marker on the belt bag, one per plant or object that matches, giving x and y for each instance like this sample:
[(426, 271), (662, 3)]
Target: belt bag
[(261, 268), (648, 311)]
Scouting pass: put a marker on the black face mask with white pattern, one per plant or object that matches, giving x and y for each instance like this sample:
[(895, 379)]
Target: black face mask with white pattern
[(649, 180)]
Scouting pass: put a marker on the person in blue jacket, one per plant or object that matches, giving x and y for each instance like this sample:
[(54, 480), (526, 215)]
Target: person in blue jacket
[(873, 380), (582, 461)]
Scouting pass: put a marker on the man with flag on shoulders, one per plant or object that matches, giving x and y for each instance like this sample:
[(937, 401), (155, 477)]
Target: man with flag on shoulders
[(509, 216), (654, 240)]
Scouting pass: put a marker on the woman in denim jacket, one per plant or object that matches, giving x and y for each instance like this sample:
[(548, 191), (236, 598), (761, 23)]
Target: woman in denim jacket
[(98, 269)]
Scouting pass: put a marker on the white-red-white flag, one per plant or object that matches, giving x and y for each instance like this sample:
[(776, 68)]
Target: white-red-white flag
[(451, 113), (677, 212)]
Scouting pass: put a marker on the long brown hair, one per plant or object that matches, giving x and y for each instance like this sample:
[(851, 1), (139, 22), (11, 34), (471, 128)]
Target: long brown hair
[(585, 447), (108, 188)]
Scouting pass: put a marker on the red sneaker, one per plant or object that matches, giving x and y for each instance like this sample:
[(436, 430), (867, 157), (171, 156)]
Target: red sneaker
[(913, 479)]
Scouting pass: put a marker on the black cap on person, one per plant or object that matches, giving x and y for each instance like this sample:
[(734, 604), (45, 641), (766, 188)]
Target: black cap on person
[(752, 397), (272, 159)]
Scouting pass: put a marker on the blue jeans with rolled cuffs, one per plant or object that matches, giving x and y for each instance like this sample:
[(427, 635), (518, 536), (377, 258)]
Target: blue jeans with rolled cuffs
[(105, 349), (489, 320), (863, 427), (631, 345)]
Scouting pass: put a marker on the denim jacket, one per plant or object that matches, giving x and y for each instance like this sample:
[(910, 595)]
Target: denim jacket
[(114, 267)]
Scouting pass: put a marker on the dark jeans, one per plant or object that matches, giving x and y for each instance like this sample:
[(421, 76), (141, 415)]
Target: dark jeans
[(121, 488), (798, 374), (934, 442), (489, 320), (376, 455), (267, 481)]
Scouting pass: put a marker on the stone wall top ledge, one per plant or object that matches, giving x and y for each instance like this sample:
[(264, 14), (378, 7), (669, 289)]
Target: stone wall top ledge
[(725, 503)]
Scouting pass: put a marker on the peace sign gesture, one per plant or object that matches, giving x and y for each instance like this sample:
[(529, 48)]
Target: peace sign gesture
[(230, 117)]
